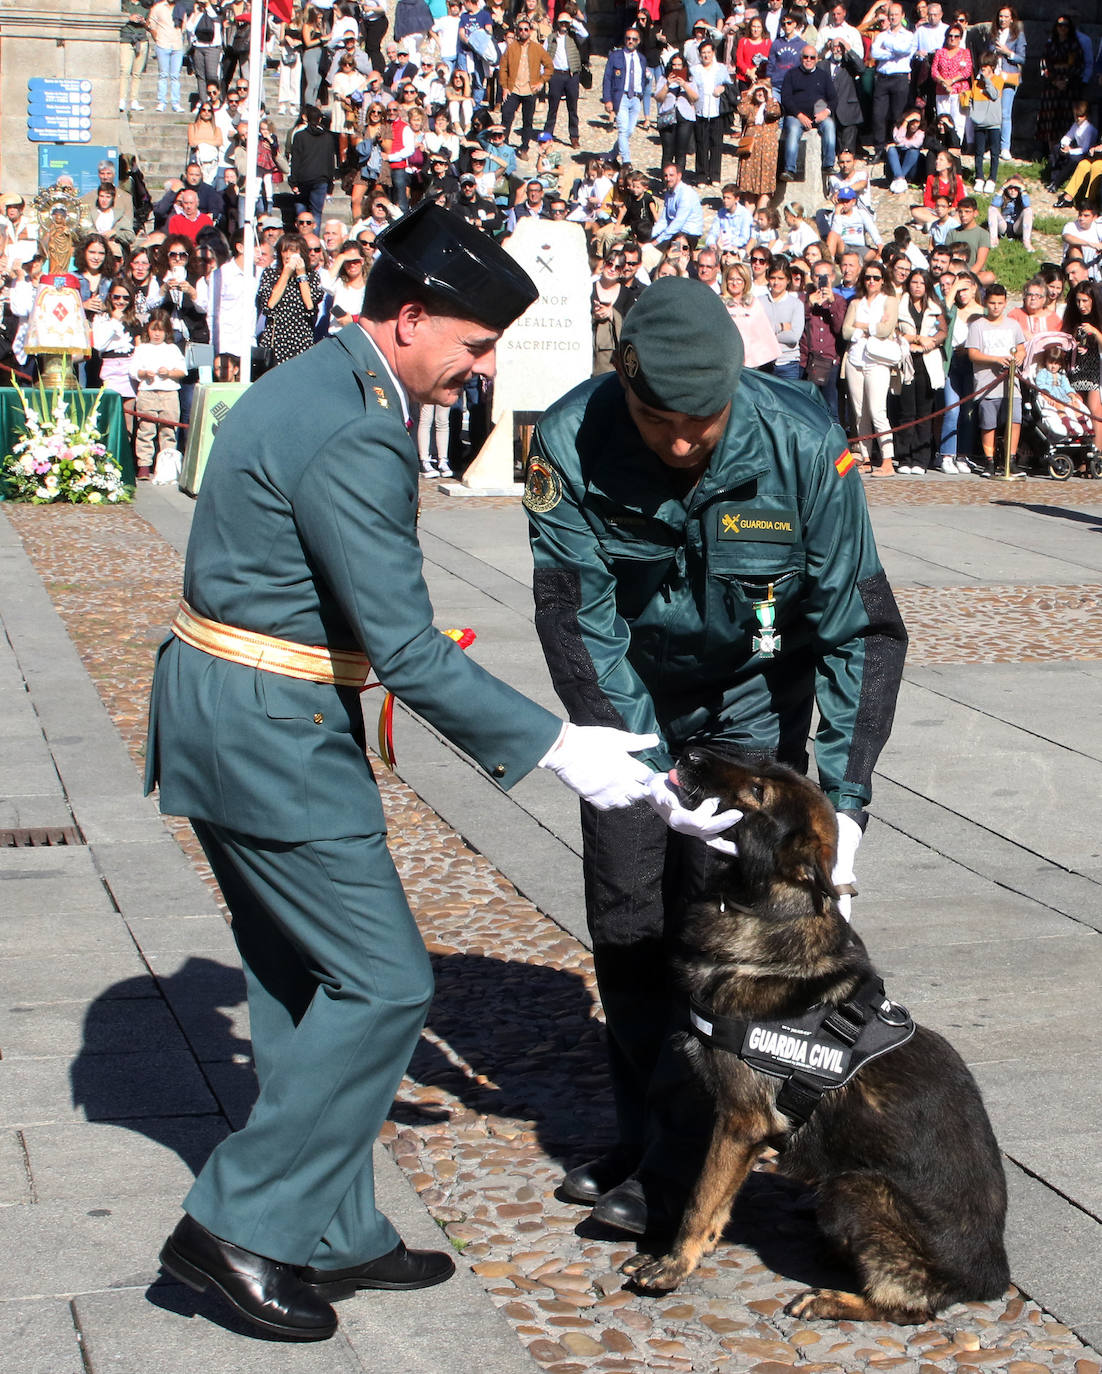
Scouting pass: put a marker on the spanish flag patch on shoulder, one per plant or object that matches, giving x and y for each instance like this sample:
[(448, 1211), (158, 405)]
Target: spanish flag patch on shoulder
[(844, 462)]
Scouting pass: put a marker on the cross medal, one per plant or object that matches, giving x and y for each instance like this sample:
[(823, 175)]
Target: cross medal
[(768, 641)]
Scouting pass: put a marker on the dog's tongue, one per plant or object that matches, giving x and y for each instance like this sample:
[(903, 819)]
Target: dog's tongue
[(674, 778)]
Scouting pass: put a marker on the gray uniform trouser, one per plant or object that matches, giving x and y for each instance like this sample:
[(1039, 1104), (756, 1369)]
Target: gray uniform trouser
[(339, 983)]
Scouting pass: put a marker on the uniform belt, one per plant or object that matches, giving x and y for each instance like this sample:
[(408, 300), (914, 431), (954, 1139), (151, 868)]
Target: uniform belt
[(312, 663)]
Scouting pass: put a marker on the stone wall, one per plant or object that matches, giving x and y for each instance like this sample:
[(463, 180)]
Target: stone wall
[(65, 38)]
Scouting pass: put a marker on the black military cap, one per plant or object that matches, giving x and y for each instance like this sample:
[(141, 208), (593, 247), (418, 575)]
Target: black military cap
[(461, 264), (679, 348)]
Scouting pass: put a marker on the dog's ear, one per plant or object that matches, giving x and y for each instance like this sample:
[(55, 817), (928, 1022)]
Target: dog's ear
[(800, 860), (826, 894)]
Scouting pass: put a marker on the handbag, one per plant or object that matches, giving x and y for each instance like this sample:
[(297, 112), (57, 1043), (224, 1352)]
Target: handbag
[(887, 352), (728, 98), (746, 142), (585, 78), (666, 119)]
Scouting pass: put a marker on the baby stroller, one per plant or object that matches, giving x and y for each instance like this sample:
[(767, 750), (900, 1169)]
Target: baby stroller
[(1053, 450)]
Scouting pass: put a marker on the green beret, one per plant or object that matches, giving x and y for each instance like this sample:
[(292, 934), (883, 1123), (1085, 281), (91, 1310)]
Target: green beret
[(679, 348)]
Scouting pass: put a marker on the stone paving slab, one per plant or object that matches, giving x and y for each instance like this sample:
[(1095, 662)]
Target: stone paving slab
[(104, 1087), (44, 1337), (69, 977), (176, 1331), (95, 1162), (77, 933), (62, 880), (67, 1028), (57, 1249)]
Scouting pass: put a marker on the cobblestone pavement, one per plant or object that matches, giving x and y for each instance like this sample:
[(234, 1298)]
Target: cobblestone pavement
[(488, 1119)]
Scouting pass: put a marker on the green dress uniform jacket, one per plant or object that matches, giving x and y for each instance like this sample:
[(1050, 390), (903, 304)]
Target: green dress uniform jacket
[(645, 601), (305, 529)]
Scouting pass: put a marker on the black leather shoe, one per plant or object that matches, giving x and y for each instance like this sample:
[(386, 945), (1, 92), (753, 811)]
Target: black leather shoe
[(267, 1293), (640, 1207), (588, 1182), (399, 1269)]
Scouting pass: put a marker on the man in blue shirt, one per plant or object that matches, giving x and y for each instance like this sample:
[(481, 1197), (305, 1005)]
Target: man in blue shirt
[(682, 212), (807, 102)]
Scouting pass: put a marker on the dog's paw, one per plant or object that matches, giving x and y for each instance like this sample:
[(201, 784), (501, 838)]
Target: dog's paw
[(810, 1304), (657, 1275), (826, 1304)]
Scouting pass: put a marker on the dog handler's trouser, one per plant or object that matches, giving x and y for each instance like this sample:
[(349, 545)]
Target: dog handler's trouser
[(640, 877)]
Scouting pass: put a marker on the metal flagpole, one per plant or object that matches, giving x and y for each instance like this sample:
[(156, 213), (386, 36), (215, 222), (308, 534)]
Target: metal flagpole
[(257, 25)]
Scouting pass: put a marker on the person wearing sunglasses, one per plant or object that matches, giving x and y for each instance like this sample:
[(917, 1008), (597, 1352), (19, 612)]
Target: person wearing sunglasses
[(872, 317), (114, 332), (524, 71)]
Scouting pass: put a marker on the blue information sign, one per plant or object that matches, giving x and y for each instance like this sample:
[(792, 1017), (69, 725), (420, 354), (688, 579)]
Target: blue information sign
[(82, 164), (59, 110)]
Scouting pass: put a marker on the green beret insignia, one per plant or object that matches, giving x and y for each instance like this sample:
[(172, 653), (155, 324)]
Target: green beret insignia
[(630, 360), (542, 487)]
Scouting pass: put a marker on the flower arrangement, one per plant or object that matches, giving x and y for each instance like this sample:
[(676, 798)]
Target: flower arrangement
[(60, 460)]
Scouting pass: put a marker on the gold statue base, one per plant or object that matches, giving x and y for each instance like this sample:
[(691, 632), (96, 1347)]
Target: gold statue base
[(56, 371)]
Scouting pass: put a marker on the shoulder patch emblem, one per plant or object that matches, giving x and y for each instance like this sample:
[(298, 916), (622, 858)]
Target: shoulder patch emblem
[(542, 487), (844, 462), (380, 396)]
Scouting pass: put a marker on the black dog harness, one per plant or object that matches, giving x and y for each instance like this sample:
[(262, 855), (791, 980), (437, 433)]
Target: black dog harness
[(816, 1052)]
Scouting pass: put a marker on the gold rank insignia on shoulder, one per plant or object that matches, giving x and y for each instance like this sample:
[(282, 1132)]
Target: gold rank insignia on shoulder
[(380, 396), (542, 487)]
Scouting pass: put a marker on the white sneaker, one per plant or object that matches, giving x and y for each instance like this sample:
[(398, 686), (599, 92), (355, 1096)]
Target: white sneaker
[(445, 471), (135, 106), (122, 104), (964, 467), (160, 109), (898, 186)]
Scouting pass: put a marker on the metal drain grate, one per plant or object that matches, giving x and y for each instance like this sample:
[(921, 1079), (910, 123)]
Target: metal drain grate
[(40, 837)]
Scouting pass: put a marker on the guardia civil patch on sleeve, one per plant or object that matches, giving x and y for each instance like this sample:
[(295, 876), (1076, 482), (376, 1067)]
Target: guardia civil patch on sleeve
[(542, 487), (844, 462)]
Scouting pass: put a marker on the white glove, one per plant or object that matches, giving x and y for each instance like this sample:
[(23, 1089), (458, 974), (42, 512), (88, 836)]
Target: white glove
[(596, 762), (849, 838), (704, 822)]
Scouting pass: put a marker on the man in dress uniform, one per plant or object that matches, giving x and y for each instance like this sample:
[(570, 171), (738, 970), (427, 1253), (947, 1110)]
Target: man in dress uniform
[(704, 570), (303, 570)]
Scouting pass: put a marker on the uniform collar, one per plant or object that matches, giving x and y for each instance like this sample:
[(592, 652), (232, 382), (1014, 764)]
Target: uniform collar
[(367, 356)]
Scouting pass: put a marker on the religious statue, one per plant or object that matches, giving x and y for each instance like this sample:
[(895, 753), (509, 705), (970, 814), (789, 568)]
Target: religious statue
[(58, 328)]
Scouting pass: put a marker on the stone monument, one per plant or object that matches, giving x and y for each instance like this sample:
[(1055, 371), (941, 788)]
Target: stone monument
[(544, 353)]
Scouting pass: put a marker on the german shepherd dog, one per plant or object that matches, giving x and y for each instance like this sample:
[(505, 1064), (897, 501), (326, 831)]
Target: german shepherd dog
[(908, 1181)]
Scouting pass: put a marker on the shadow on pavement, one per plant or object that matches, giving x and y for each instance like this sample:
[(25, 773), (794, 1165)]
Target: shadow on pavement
[(530, 1031)]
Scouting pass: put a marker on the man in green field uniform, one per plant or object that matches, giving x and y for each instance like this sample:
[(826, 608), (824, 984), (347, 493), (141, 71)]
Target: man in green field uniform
[(704, 570), (303, 568)]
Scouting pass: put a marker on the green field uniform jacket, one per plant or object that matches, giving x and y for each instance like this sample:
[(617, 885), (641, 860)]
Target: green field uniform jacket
[(645, 600), (305, 529)]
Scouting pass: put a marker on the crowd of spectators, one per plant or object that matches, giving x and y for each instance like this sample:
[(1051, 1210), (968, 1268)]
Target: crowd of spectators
[(463, 102)]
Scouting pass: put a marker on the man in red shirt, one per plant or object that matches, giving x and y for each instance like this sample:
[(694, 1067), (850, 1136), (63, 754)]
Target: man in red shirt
[(188, 220)]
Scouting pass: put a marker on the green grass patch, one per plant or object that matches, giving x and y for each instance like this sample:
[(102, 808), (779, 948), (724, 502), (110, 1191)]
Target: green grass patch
[(1013, 266)]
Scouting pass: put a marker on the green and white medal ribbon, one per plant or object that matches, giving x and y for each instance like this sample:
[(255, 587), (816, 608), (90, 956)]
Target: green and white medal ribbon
[(768, 641)]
